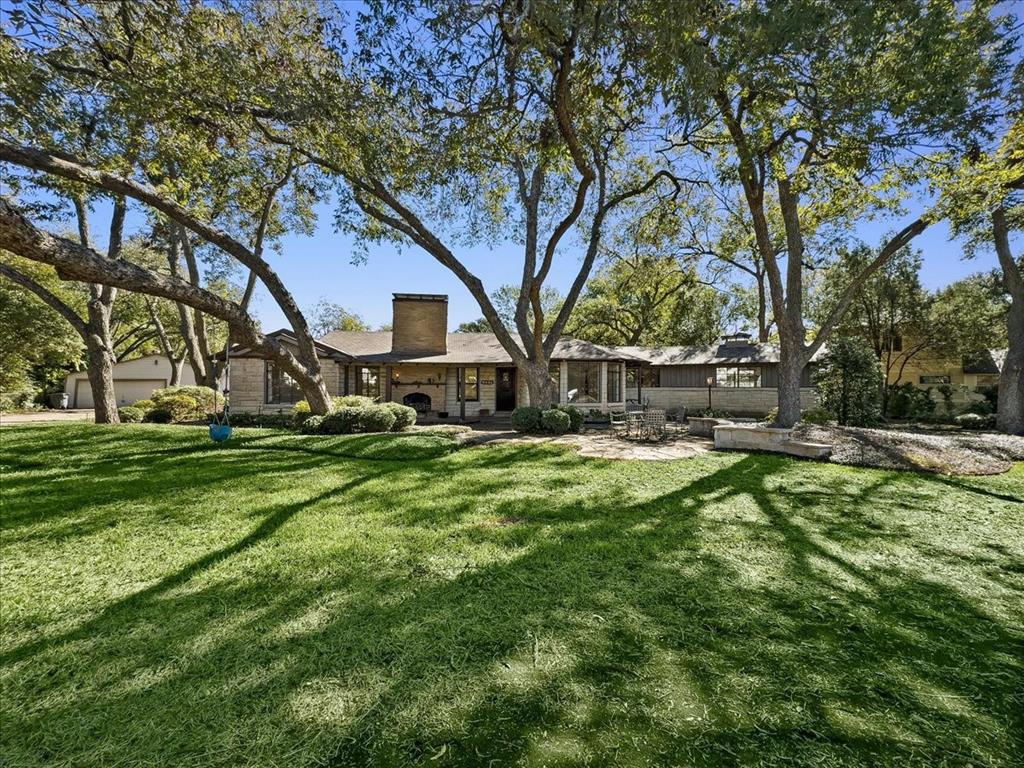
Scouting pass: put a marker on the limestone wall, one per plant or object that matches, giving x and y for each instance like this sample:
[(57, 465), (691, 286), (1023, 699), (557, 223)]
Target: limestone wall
[(741, 401)]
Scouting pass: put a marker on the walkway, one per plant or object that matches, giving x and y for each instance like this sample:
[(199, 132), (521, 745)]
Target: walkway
[(28, 417), (601, 443)]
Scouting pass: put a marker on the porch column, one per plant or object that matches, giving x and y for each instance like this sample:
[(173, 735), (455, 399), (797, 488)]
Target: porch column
[(622, 382), (462, 393), (387, 385), (563, 383), (604, 386)]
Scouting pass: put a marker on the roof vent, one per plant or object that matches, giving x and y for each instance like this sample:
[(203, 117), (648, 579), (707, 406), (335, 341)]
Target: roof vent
[(736, 340)]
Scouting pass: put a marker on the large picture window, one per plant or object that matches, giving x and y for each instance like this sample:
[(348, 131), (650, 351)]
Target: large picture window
[(584, 382), (281, 388), (555, 372), (471, 386), (614, 383), (738, 377), (369, 381)]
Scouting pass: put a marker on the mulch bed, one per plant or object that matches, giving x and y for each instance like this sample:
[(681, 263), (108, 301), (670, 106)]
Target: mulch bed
[(947, 452)]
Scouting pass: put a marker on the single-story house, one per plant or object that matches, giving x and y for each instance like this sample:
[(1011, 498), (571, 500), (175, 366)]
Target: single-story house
[(929, 370), (419, 363), (133, 380)]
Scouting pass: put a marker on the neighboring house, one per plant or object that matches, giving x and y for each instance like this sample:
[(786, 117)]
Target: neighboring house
[(420, 364), (910, 363), (133, 380)]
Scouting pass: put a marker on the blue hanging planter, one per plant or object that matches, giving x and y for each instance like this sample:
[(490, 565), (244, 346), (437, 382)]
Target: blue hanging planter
[(220, 432)]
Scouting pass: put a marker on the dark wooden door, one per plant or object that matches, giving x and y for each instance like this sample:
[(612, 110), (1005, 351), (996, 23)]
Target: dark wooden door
[(505, 389)]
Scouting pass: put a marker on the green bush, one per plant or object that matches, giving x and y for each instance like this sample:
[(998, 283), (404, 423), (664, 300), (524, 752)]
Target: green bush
[(145, 406), (158, 416), (300, 412), (404, 415), (343, 421), (715, 413), (576, 416), (130, 414), (976, 421), (555, 421), (181, 407), (376, 418), (312, 425), (203, 396), (269, 420), (849, 383), (905, 401), (979, 407), (816, 415), (353, 401), (526, 418)]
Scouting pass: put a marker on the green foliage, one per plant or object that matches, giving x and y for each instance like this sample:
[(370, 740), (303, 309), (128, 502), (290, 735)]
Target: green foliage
[(328, 316), (526, 418), (129, 414), (575, 416), (352, 401), (404, 415), (816, 415), (555, 421), (980, 407), (342, 421), (144, 405), (202, 397), (312, 425), (906, 401), (376, 418), (159, 415), (714, 413), (849, 383), (263, 420), (300, 413)]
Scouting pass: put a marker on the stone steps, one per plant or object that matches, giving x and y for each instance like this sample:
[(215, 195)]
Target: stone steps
[(744, 437)]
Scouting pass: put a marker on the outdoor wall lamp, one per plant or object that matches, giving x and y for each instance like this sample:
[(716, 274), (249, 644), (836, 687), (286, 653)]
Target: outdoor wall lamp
[(710, 382)]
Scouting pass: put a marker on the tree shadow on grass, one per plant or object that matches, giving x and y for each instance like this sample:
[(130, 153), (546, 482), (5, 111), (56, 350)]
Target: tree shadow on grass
[(735, 614)]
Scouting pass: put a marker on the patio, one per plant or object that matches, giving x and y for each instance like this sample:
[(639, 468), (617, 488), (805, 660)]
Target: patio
[(598, 443)]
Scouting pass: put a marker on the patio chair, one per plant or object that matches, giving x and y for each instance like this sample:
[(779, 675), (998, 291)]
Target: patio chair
[(653, 424)]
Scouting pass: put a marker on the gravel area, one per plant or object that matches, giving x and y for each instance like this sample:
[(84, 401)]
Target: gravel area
[(948, 452)]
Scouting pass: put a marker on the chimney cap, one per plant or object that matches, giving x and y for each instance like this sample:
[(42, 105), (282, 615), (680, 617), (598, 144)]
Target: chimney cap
[(420, 296), (736, 338)]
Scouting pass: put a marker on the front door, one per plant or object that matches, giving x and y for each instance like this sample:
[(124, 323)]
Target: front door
[(505, 390)]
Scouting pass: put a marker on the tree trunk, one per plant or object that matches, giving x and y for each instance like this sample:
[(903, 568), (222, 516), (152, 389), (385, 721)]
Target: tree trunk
[(762, 310), (540, 385), (1010, 409), (791, 368), (100, 353)]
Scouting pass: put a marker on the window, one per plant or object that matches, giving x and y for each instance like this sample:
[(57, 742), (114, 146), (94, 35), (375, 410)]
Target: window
[(281, 388), (369, 381), (584, 382), (738, 377), (555, 372), (648, 377), (614, 382), (472, 384), (935, 378)]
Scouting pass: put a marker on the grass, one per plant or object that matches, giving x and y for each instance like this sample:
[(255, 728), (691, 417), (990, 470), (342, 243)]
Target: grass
[(388, 600)]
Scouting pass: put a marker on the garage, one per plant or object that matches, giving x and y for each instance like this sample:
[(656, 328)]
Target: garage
[(127, 391)]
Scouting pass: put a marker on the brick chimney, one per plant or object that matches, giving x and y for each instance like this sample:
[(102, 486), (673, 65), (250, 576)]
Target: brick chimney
[(419, 323)]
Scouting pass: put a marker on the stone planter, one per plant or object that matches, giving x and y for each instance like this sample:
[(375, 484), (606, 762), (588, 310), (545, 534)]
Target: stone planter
[(703, 426), (744, 437)]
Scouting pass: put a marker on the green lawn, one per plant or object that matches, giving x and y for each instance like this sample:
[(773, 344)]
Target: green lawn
[(368, 600)]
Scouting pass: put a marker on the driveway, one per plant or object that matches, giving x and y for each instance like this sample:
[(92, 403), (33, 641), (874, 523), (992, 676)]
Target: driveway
[(74, 414)]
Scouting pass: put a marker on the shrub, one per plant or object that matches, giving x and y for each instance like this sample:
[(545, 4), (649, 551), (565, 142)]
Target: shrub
[(526, 419), (312, 425), (158, 416), (576, 416), (130, 414), (555, 421), (991, 393), (979, 407), (17, 401), (300, 412), (145, 406), (905, 401), (715, 413), (975, 421), (376, 418), (272, 420), (850, 383), (352, 401), (816, 415), (181, 407), (404, 415), (203, 396), (343, 421)]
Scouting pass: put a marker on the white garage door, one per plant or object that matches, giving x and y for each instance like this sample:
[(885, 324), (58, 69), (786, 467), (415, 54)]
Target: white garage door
[(127, 391)]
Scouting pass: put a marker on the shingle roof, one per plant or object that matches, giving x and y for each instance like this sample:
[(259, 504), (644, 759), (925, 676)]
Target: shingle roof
[(375, 347), (989, 361), (710, 354)]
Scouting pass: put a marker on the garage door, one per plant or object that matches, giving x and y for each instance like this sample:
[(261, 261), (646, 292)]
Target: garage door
[(127, 391)]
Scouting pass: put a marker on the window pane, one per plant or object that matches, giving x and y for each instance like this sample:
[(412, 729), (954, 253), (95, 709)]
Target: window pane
[(369, 381), (281, 388), (472, 385), (738, 377), (584, 382), (614, 383), (555, 372), (724, 377)]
